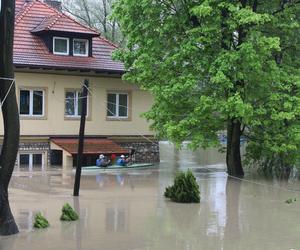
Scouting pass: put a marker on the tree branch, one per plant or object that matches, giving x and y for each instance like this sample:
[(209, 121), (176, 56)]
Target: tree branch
[(284, 5), (254, 6), (76, 15)]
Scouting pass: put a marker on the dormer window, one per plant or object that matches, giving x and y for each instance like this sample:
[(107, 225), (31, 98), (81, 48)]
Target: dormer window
[(60, 45), (80, 47)]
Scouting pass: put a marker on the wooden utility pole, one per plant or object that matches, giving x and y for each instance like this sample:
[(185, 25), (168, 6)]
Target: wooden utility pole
[(81, 137), (10, 114)]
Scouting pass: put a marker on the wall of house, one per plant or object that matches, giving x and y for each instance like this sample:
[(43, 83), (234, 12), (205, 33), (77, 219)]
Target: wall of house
[(54, 121)]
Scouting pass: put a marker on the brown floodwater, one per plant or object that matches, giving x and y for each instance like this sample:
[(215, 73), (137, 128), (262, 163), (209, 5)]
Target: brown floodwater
[(126, 210)]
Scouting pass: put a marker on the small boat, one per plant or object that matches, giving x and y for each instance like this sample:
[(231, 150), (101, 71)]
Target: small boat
[(117, 167)]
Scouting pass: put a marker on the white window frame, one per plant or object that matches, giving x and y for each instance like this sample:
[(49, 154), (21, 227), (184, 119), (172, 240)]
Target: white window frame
[(68, 45), (117, 105), (76, 115), (86, 46), (30, 165), (31, 103)]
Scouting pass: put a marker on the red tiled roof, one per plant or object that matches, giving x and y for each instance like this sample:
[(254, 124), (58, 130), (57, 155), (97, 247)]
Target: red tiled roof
[(91, 146), (31, 51), (19, 5), (61, 22)]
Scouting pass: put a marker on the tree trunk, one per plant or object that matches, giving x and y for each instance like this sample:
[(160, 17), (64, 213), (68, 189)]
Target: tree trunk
[(7, 222), (81, 137), (233, 154), (10, 115)]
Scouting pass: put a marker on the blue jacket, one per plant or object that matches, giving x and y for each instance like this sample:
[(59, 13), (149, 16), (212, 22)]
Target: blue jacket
[(99, 162), (121, 162)]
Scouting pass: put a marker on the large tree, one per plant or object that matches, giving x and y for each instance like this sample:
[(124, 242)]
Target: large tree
[(10, 114), (219, 65)]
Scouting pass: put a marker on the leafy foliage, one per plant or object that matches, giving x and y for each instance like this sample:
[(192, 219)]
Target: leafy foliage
[(185, 188), (68, 213), (40, 221), (209, 63)]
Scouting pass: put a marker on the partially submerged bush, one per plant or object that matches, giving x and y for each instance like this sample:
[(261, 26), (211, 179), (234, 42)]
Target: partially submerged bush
[(40, 221), (185, 188), (68, 213), (290, 200)]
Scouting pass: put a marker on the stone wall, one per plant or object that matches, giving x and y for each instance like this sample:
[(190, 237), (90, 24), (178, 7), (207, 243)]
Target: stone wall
[(147, 152)]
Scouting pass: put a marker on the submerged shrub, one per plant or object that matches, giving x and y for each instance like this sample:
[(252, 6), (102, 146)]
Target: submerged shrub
[(290, 200), (68, 213), (40, 221), (185, 188)]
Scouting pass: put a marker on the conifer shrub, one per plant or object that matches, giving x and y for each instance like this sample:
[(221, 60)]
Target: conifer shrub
[(68, 213), (40, 221), (185, 188)]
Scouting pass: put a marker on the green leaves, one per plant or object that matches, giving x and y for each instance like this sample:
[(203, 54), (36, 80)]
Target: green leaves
[(40, 221), (235, 107), (246, 16), (209, 61), (202, 10), (185, 188), (68, 213)]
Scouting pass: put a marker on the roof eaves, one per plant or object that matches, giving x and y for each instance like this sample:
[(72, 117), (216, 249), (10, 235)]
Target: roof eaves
[(47, 67), (62, 146)]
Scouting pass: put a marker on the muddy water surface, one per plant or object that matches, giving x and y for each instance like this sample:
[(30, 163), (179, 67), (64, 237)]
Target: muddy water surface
[(127, 210)]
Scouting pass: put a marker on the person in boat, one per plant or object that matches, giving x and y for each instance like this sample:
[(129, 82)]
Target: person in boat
[(113, 159), (102, 161), (122, 161)]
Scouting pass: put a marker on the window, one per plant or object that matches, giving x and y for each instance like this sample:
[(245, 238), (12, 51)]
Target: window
[(73, 103), (31, 160), (32, 102), (60, 46), (117, 105), (80, 47), (56, 157)]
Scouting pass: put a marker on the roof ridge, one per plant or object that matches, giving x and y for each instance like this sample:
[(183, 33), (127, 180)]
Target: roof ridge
[(63, 14), (23, 12), (54, 22), (21, 8)]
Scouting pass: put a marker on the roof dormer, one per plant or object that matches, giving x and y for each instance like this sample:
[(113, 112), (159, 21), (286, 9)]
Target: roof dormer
[(63, 37), (36, 26)]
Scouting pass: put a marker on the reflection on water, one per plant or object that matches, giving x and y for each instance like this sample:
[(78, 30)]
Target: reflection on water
[(116, 218), (26, 219), (127, 210)]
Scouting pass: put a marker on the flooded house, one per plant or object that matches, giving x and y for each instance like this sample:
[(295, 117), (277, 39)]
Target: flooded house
[(53, 55)]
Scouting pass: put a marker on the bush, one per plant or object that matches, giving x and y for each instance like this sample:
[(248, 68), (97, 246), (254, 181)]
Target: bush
[(68, 213), (185, 188), (40, 221)]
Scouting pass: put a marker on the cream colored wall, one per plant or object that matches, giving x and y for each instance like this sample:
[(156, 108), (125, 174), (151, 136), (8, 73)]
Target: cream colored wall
[(54, 122)]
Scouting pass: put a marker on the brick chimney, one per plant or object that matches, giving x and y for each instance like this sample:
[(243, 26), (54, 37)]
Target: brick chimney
[(54, 4)]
